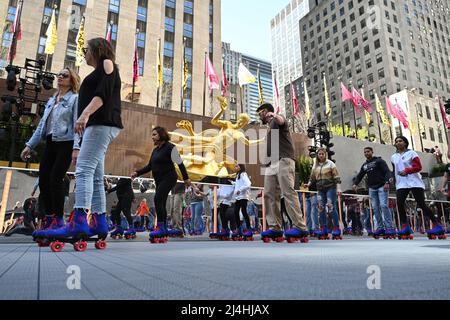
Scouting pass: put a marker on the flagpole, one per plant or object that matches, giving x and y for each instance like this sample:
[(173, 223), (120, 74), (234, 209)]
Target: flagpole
[(410, 124), (158, 89), (204, 87), (342, 118), (182, 74), (379, 127), (354, 116)]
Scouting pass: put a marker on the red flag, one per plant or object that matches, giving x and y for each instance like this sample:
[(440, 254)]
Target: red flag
[(397, 112), (109, 33), (363, 102), (225, 82), (16, 31), (347, 95), (294, 101), (136, 65), (210, 73), (444, 114), (277, 95)]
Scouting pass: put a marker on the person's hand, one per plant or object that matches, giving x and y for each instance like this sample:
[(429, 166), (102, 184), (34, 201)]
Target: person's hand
[(339, 192), (81, 124), (26, 154), (387, 186), (403, 174), (306, 185), (270, 116), (355, 188), (75, 154), (134, 175)]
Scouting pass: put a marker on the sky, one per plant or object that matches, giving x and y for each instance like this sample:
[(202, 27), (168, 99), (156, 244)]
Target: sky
[(246, 25)]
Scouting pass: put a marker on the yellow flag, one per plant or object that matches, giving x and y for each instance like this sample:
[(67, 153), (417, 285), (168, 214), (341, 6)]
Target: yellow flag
[(80, 45), (381, 112), (260, 90), (307, 105), (368, 117), (327, 98), (52, 35), (245, 76), (159, 68)]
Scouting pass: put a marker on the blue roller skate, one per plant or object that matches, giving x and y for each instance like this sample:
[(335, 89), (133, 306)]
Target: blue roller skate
[(224, 235), (175, 233), (380, 233), (272, 235), (98, 230), (159, 235), (438, 232), (49, 222), (448, 231), (117, 233), (296, 235), (247, 235), (236, 235), (390, 234), (406, 233), (75, 232), (336, 234), (130, 234), (322, 234)]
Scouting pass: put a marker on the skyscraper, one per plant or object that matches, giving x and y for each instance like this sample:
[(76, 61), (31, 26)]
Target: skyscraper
[(134, 23)]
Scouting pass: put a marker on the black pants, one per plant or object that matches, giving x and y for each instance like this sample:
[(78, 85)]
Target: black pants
[(419, 196), (241, 205), (356, 220), (228, 220), (124, 206), (53, 167), (163, 188)]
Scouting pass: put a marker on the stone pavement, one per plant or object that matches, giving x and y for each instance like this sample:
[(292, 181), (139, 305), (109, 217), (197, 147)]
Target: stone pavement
[(202, 269)]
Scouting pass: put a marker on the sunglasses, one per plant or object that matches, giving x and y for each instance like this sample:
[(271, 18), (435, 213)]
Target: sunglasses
[(63, 75)]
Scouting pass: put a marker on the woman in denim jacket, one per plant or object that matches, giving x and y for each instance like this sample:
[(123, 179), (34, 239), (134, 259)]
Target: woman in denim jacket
[(56, 128)]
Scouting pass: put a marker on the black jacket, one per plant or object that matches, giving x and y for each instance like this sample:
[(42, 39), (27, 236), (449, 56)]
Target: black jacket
[(378, 173), (123, 188)]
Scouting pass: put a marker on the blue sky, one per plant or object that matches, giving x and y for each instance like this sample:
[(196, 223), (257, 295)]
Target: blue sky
[(246, 25)]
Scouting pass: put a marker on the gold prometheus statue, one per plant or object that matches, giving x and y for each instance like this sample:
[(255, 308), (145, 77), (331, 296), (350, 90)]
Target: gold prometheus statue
[(205, 154)]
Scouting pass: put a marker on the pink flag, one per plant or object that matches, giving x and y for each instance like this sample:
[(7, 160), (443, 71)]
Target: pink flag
[(136, 65), (210, 73), (397, 112), (294, 101), (16, 29), (277, 95), (347, 95), (109, 33), (444, 114), (363, 102), (225, 82)]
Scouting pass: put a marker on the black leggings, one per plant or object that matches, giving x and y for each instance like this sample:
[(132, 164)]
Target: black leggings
[(124, 206), (225, 217), (241, 205), (53, 167), (419, 196), (163, 188)]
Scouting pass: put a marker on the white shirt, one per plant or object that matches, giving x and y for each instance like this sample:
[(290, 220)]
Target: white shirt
[(243, 185), (401, 162), (225, 194)]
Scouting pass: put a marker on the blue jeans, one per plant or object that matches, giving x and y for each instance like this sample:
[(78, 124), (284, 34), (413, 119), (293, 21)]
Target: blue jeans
[(197, 222), (327, 199), (311, 213), (380, 205), (90, 191)]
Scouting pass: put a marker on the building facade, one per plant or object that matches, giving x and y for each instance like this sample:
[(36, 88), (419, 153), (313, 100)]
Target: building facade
[(380, 46), (138, 23), (286, 48), (249, 95)]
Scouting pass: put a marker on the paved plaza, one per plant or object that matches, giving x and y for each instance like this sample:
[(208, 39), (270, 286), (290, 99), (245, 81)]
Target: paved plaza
[(202, 269)]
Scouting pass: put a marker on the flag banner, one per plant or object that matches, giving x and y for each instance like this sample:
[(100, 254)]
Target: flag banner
[(307, 103), (159, 67), (109, 33), (396, 112), (210, 73), (381, 112), (260, 90), (348, 96), (79, 59), (52, 35), (362, 101), (225, 82), (245, 76), (328, 110), (444, 114), (16, 31), (136, 65), (368, 117), (277, 94), (294, 100)]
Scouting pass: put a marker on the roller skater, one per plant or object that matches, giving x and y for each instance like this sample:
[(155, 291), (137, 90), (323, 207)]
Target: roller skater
[(125, 195), (226, 212), (242, 195), (162, 164), (407, 168), (279, 176)]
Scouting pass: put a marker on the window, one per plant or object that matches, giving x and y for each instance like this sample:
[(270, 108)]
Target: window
[(381, 74), (379, 58), (377, 44), (368, 64)]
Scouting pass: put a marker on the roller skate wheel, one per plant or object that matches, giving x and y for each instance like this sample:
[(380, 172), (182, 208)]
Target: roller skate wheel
[(80, 246), (305, 240), (290, 240), (57, 246), (266, 240), (101, 245), (279, 240)]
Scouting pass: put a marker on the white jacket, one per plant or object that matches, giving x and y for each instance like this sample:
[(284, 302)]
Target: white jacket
[(225, 194), (242, 185)]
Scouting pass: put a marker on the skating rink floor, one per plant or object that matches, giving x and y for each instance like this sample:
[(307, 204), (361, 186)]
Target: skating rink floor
[(203, 269)]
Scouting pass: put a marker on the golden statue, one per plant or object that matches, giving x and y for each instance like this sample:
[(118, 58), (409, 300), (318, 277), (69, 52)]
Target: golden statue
[(204, 154)]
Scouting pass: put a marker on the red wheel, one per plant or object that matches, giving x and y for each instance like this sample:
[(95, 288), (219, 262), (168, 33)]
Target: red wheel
[(101, 245), (164, 241), (57, 246), (80, 246), (114, 237), (305, 240), (290, 240), (279, 240), (266, 240)]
